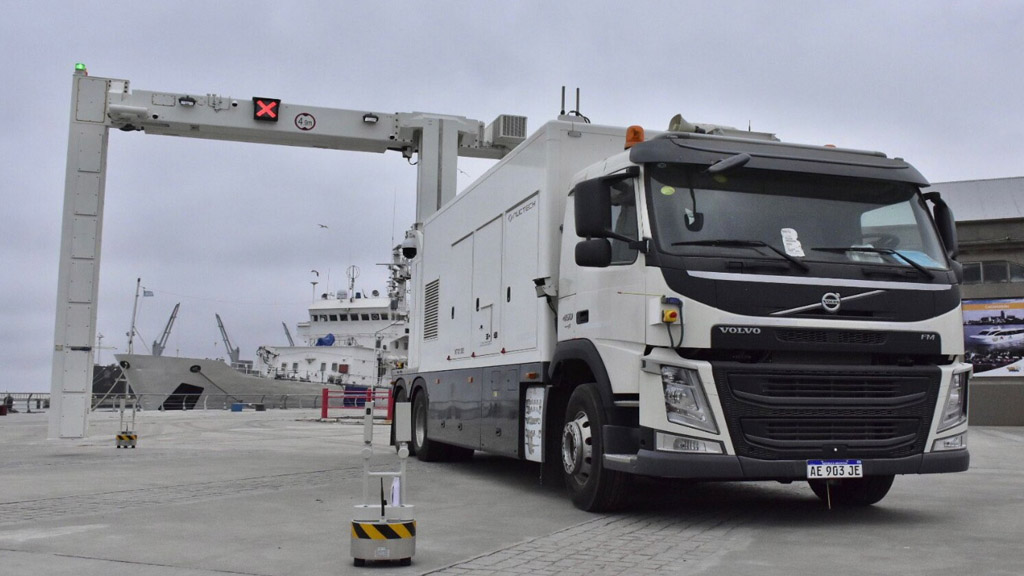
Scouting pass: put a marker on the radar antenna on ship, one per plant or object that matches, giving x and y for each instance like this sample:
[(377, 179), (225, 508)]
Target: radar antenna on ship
[(352, 272)]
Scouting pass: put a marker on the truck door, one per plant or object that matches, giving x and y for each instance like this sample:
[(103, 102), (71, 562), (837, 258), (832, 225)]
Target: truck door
[(486, 288), (606, 305), (455, 314), (520, 254)]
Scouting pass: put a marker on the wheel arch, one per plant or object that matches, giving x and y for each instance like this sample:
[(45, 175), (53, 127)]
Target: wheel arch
[(578, 362), (412, 388)]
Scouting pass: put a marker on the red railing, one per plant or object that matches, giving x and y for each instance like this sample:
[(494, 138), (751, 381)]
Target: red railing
[(356, 400)]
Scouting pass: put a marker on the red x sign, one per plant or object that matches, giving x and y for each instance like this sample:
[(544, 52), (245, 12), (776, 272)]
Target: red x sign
[(266, 109)]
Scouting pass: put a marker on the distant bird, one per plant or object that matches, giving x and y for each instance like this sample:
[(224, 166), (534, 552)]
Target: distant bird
[(315, 272), (322, 225)]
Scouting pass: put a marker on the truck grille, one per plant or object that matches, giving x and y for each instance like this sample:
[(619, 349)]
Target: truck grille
[(808, 336), (784, 412)]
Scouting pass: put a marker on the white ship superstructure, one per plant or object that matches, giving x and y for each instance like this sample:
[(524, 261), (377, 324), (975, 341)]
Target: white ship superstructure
[(350, 339)]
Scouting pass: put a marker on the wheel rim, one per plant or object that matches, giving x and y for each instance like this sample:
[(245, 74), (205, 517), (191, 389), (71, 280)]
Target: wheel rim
[(420, 425), (577, 448)]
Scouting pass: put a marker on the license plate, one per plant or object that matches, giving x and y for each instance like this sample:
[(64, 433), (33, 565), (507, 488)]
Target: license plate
[(824, 469)]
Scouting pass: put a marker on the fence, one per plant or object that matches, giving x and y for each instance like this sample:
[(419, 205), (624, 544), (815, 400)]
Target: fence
[(328, 399), (356, 399), (25, 401), (204, 401)]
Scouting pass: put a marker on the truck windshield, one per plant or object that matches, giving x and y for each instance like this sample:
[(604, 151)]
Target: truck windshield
[(807, 218)]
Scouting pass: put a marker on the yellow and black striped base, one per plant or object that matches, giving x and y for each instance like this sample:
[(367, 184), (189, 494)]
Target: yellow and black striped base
[(382, 541), (127, 440), (383, 530)]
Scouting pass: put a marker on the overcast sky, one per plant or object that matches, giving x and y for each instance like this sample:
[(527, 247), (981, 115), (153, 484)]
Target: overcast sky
[(232, 228)]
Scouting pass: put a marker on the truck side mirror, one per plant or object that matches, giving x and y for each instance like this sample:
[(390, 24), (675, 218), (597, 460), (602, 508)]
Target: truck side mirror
[(594, 253), (945, 222), (593, 206)]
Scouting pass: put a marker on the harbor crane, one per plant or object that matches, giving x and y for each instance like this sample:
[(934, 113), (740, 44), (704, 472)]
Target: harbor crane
[(433, 141), (233, 351), (159, 345)]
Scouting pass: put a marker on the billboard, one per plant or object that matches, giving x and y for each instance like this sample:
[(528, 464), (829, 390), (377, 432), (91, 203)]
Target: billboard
[(994, 336)]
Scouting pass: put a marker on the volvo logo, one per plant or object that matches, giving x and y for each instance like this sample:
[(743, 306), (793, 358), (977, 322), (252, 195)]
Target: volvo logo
[(831, 302), (739, 330)]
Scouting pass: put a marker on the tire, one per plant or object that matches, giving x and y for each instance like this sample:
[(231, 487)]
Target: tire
[(852, 492), (424, 448), (591, 486)]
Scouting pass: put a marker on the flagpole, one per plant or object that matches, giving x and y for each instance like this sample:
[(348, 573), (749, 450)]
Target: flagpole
[(135, 308)]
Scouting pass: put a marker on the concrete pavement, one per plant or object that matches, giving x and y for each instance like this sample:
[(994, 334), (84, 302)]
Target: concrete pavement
[(271, 493)]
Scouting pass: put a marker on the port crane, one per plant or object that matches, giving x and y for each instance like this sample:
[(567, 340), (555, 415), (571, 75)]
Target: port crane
[(435, 141), (159, 345), (288, 334), (233, 351)]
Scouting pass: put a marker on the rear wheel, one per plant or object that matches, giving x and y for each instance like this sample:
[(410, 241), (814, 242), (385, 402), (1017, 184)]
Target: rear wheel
[(852, 492), (591, 486), (426, 449)]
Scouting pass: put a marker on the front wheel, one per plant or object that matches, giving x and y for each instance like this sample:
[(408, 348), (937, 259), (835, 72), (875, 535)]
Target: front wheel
[(852, 492), (591, 486)]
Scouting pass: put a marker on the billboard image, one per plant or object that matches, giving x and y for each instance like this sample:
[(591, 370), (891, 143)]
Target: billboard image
[(994, 336)]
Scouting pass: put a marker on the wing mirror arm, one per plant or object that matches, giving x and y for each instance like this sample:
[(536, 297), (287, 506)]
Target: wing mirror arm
[(945, 222)]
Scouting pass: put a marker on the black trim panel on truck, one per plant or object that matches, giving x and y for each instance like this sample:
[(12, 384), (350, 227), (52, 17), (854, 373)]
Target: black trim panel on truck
[(799, 339), (893, 303)]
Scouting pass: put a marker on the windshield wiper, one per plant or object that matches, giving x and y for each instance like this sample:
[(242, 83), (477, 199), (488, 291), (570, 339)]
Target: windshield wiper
[(744, 244), (886, 251)]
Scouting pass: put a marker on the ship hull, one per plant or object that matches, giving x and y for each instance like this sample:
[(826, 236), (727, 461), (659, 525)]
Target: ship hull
[(169, 383)]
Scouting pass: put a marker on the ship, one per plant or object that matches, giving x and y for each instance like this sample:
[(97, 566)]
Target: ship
[(351, 340), (999, 335)]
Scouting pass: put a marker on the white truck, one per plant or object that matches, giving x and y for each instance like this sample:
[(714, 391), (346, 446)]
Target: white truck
[(707, 303)]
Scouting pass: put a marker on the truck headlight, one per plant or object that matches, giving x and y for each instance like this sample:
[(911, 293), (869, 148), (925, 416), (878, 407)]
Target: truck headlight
[(954, 411), (685, 402)]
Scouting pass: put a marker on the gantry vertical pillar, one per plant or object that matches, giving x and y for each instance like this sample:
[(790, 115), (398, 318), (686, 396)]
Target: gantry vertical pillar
[(78, 275)]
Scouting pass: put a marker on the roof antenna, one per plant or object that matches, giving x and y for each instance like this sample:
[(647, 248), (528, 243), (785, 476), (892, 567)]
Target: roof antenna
[(562, 113), (576, 112)]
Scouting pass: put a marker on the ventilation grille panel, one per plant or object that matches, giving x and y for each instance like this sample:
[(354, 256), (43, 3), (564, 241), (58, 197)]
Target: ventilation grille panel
[(431, 301)]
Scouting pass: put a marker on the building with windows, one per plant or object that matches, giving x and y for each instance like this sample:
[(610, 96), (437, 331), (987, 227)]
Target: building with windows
[(990, 226)]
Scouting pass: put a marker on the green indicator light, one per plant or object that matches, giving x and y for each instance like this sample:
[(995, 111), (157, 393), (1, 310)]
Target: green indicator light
[(79, 66)]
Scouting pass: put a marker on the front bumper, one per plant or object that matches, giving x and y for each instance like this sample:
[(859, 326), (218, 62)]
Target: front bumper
[(729, 467)]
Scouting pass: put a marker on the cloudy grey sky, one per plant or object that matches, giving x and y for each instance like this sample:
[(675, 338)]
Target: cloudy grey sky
[(232, 228)]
